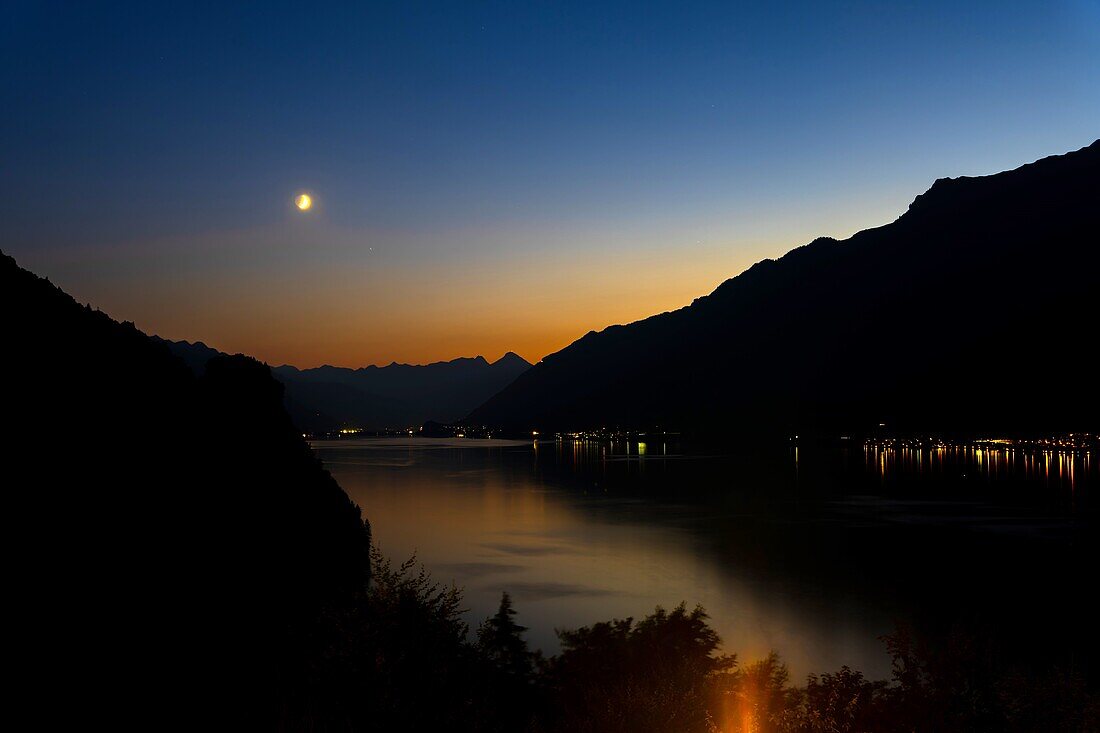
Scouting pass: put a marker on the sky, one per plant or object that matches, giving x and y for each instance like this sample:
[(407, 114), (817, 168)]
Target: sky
[(492, 177)]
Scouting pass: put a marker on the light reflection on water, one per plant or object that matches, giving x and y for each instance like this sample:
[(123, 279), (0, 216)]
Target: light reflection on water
[(1057, 469), (495, 516)]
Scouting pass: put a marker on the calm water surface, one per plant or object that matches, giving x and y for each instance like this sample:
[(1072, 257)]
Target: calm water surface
[(815, 559)]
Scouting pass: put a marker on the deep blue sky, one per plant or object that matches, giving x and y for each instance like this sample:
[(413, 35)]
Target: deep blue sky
[(493, 176)]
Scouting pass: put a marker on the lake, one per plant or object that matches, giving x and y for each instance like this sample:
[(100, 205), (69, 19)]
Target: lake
[(812, 552)]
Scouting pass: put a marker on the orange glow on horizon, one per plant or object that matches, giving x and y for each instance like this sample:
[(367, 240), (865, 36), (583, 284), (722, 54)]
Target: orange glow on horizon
[(306, 292), (356, 316)]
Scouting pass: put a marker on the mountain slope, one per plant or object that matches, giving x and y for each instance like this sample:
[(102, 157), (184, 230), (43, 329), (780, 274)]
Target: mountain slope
[(394, 396), (314, 406), (966, 313), (404, 394), (177, 541)]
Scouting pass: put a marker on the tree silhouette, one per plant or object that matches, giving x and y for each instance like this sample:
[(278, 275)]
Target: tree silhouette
[(757, 699), (500, 638), (657, 675)]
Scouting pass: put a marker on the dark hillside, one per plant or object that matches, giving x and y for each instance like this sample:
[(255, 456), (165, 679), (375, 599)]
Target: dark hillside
[(964, 315), (173, 542)]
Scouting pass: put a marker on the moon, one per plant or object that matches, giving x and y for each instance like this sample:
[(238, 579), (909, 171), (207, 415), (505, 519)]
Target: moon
[(304, 202)]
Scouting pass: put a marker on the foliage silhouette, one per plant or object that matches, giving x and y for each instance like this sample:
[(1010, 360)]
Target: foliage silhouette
[(512, 666), (500, 638), (656, 675)]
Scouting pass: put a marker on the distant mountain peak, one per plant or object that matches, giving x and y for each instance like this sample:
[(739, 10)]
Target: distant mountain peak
[(398, 394), (511, 357)]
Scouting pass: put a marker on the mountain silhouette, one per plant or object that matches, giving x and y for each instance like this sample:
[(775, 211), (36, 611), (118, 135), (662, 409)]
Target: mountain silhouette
[(174, 542), (970, 312), (401, 395), (395, 396)]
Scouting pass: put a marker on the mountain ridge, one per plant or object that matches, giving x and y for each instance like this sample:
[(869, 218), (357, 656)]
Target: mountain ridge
[(508, 355), (941, 258), (173, 523), (395, 396)]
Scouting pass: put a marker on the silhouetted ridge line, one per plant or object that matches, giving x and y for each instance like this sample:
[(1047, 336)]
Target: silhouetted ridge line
[(328, 398), (945, 319), (183, 545)]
